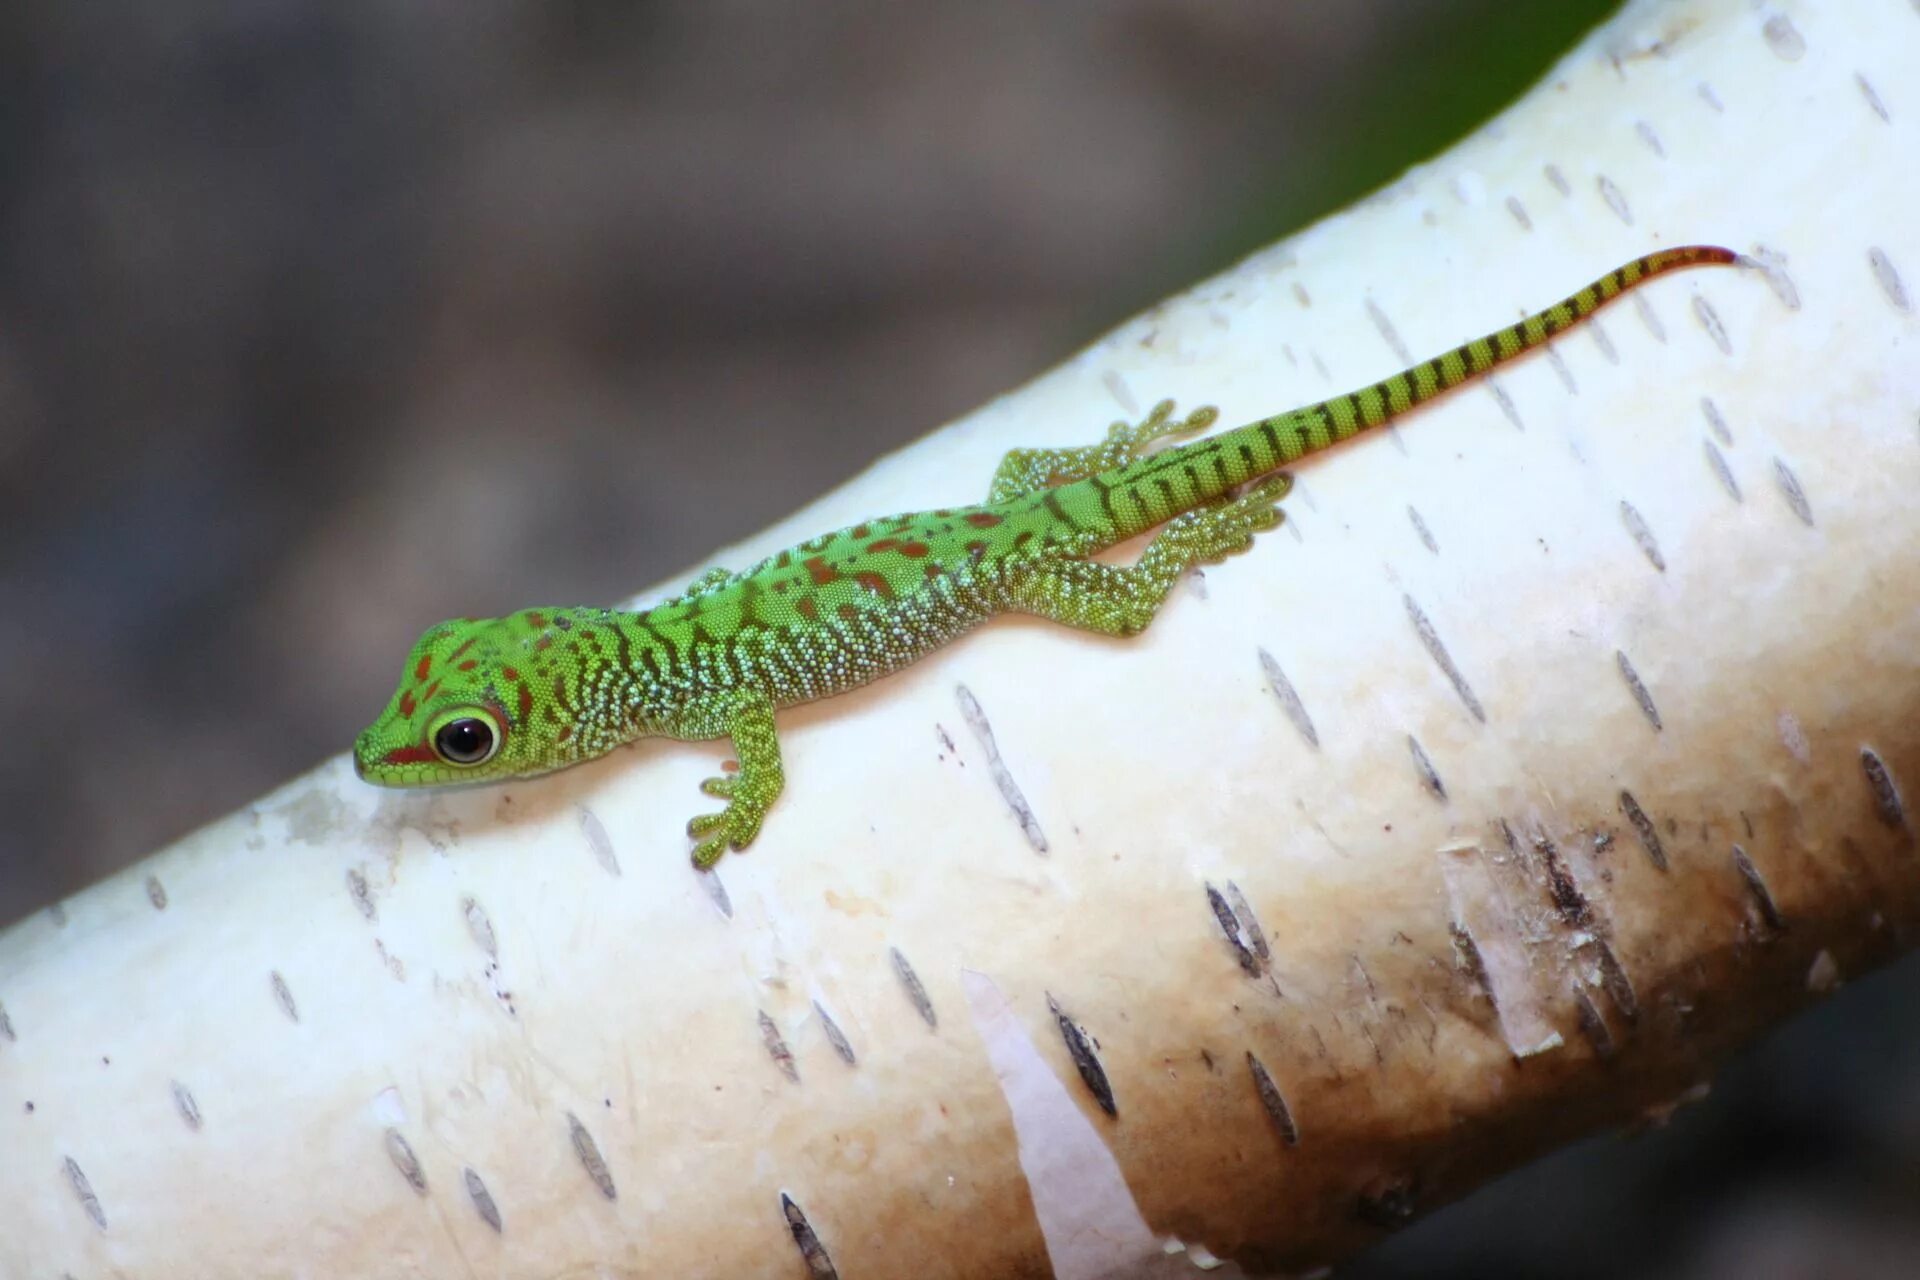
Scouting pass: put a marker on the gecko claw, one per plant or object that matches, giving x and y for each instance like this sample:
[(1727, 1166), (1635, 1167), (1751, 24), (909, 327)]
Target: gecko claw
[(734, 827), (709, 831)]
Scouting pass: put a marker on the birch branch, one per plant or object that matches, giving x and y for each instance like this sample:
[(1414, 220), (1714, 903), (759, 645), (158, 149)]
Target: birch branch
[(1563, 739)]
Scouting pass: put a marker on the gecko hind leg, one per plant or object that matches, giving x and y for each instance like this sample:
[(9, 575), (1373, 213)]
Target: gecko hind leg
[(1121, 600), (1031, 470)]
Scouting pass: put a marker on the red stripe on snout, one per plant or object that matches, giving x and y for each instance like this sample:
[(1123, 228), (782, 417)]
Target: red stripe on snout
[(410, 755)]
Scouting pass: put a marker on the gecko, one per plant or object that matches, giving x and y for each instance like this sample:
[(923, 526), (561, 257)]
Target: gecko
[(488, 699)]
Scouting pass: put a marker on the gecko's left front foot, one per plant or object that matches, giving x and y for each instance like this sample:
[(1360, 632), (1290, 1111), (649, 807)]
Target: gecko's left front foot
[(744, 714), (734, 827)]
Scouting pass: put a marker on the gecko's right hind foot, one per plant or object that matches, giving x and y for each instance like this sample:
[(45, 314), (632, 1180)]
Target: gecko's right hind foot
[(1134, 437)]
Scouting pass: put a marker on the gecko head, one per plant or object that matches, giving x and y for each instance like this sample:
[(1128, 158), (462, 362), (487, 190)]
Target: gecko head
[(480, 699)]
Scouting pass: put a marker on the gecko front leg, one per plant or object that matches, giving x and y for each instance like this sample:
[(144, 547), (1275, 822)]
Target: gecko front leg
[(717, 576), (746, 716)]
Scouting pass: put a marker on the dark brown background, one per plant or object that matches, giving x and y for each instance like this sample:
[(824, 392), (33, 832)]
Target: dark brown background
[(320, 322)]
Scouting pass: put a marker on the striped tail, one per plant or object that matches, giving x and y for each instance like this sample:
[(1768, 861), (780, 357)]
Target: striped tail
[(1152, 490)]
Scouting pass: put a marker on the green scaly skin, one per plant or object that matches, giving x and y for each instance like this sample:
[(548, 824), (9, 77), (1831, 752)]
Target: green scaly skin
[(545, 688)]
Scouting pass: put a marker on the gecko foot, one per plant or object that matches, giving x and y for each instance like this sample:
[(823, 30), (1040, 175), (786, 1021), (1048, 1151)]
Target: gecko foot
[(734, 827), (1226, 527)]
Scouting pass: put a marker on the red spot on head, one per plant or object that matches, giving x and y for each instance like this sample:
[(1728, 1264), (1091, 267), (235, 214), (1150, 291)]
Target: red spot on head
[(464, 646), (983, 519), (431, 690), (875, 583), (820, 571), (407, 704), (410, 755), (526, 702), (423, 666), (469, 664), (510, 673)]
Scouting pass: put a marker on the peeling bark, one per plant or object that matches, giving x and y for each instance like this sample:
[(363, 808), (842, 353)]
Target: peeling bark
[(1270, 983)]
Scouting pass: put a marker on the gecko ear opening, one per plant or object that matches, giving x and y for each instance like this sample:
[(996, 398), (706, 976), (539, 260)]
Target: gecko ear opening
[(465, 737)]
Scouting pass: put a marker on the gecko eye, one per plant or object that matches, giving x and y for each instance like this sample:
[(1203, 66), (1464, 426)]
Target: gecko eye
[(466, 739)]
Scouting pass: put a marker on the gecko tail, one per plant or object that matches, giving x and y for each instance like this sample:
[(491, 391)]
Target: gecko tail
[(1154, 489)]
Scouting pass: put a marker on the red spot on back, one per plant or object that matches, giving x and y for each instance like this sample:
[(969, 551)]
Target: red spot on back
[(820, 571), (468, 665), (847, 612), (407, 704), (410, 755), (526, 701), (536, 619), (808, 610), (884, 544), (983, 519), (566, 731), (861, 530), (423, 666), (510, 673), (932, 571), (875, 583), (976, 548), (544, 642), (913, 550)]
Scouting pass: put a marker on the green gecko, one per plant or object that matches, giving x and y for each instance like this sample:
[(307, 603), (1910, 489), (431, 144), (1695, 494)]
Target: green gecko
[(484, 699)]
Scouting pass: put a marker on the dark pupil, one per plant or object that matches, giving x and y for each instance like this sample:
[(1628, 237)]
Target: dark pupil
[(464, 741)]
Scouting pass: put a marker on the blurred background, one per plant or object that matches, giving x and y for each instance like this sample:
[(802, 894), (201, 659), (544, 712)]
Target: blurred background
[(321, 321)]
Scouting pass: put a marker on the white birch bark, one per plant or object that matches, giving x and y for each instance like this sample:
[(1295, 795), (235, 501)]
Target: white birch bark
[(1564, 738)]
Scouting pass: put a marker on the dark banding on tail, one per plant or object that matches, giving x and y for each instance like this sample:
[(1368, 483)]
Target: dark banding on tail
[(1152, 490)]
